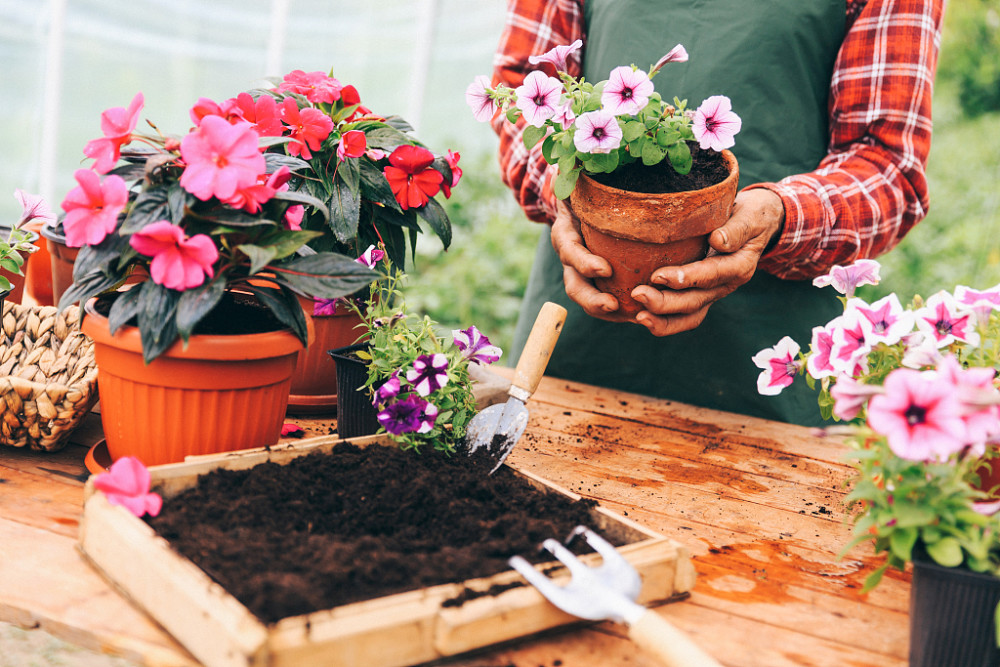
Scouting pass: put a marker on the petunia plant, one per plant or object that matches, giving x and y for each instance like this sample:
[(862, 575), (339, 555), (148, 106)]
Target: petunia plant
[(18, 242), (419, 381), (918, 387), (272, 192), (598, 127)]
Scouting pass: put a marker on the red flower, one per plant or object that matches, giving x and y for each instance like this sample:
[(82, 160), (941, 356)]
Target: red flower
[(309, 127), (262, 114), (410, 177), (452, 159), (352, 144), (316, 86)]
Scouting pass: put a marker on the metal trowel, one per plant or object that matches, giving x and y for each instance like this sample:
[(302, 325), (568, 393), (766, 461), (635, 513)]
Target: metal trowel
[(499, 427)]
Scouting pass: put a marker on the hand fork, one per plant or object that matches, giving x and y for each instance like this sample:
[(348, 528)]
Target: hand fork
[(609, 591)]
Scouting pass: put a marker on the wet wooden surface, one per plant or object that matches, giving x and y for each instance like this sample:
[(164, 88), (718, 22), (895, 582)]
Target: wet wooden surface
[(758, 503)]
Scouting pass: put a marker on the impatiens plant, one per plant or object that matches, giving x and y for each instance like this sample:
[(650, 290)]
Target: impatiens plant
[(598, 127), (919, 387), (418, 379)]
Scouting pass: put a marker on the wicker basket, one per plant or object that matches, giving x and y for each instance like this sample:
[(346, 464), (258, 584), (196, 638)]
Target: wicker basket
[(48, 377)]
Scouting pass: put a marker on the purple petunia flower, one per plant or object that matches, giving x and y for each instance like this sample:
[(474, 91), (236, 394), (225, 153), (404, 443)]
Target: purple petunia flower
[(627, 91), (371, 257), (410, 415), (389, 390), (325, 307), (538, 98), (478, 97), (475, 346), (678, 54), (429, 373), (558, 56), (597, 132)]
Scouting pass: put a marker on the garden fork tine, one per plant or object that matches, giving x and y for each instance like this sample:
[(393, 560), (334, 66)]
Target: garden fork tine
[(606, 592)]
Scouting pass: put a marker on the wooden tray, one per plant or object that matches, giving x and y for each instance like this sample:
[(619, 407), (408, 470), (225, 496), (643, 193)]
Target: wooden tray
[(395, 630)]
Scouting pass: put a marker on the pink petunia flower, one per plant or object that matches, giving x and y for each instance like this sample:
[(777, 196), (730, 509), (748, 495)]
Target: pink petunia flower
[(850, 345), (475, 346), (597, 132), (538, 98), (850, 395), (221, 159), (779, 365), (978, 399), (126, 483), (564, 115), (920, 416), (942, 319), (410, 177), (920, 351), (845, 279), (353, 143), (818, 365), (308, 127), (92, 208), (179, 262), (477, 96), (715, 125), (290, 430), (885, 321), (678, 54), (33, 209), (627, 91), (558, 56), (429, 373), (317, 87), (980, 302), (117, 124)]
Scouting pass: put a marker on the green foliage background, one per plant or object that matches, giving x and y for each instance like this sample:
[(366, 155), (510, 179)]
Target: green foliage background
[(481, 279)]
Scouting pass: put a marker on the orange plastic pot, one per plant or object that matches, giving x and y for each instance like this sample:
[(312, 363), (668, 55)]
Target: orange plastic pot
[(220, 394), (61, 261), (314, 382), (638, 232)]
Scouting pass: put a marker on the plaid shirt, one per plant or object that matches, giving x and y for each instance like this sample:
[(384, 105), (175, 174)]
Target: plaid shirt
[(868, 191)]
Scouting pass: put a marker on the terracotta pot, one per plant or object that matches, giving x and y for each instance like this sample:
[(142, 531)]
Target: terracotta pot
[(16, 293), (221, 393), (61, 259), (639, 232), (314, 382)]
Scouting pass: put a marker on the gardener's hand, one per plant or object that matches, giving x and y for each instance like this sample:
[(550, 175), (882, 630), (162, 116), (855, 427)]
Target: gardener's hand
[(580, 267), (735, 249)]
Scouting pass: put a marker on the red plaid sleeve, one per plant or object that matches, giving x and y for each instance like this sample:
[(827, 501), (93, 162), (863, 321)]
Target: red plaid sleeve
[(870, 189), (532, 28)]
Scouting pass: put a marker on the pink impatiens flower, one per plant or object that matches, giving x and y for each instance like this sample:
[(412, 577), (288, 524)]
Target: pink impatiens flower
[(845, 279), (919, 414), (597, 132), (117, 124), (627, 91), (317, 87), (477, 96), (221, 159), (179, 262), (715, 125), (779, 365), (251, 198), (452, 158), (261, 113), (126, 483), (92, 208), (308, 127), (558, 56), (538, 98), (352, 144)]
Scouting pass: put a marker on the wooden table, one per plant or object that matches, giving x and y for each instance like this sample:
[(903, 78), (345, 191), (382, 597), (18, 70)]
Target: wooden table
[(759, 504)]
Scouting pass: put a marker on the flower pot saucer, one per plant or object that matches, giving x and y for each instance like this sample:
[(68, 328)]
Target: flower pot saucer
[(320, 404), (98, 459)]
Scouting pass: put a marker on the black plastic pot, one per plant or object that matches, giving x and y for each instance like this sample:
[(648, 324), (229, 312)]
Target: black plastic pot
[(355, 412), (951, 616)]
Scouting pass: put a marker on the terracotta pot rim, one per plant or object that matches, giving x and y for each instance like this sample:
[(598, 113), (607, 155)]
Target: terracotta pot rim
[(721, 185), (221, 347)]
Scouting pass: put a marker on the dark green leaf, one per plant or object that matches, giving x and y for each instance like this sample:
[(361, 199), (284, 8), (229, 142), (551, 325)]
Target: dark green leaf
[(150, 206), (283, 303), (374, 186), (437, 220), (304, 198), (195, 304), (156, 319), (259, 256), (177, 201), (345, 211), (276, 161), (325, 275), (124, 309), (85, 287)]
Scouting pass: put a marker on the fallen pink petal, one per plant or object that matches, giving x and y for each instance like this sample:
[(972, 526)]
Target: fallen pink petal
[(126, 483)]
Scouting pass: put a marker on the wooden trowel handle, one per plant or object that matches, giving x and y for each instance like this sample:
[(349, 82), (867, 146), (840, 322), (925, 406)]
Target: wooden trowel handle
[(537, 350)]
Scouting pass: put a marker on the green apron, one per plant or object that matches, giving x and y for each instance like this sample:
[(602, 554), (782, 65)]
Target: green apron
[(774, 60)]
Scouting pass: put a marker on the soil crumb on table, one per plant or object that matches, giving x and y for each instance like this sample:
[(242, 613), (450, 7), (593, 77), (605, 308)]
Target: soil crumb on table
[(359, 523)]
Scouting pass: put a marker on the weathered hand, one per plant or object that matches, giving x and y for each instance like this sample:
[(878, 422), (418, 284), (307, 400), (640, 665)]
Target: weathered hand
[(580, 267), (735, 250)]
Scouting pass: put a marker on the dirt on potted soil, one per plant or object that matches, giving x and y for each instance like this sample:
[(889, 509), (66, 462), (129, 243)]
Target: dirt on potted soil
[(359, 523)]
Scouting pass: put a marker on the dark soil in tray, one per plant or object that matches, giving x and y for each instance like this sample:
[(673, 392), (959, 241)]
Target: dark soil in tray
[(708, 168), (360, 523)]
